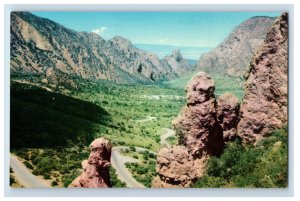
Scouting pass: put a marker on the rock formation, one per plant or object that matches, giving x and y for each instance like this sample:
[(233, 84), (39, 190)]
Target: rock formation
[(264, 107), (228, 108), (96, 169), (233, 55), (39, 44), (175, 167), (197, 126), (199, 133)]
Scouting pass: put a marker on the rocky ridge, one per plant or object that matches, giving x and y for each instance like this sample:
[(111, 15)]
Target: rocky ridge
[(233, 55), (57, 54)]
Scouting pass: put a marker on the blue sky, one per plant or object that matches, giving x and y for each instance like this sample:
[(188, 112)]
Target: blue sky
[(192, 29)]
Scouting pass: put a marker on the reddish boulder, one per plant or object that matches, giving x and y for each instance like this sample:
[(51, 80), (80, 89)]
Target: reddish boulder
[(228, 107), (264, 107), (96, 169)]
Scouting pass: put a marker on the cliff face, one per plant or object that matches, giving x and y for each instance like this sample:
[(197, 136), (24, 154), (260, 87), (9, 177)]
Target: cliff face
[(42, 47), (264, 107), (234, 54)]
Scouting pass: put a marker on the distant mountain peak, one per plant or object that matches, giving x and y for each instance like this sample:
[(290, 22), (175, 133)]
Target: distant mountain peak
[(233, 55)]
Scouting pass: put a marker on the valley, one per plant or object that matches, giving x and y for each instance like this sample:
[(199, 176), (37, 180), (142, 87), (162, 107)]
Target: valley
[(161, 121), (127, 115)]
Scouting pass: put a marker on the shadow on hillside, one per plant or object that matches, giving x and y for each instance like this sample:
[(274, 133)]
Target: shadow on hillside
[(39, 118)]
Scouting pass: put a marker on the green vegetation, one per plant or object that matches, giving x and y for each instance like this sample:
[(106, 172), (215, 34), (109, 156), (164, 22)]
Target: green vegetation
[(115, 182), (54, 134), (172, 140), (263, 165), (28, 165), (41, 119), (144, 171)]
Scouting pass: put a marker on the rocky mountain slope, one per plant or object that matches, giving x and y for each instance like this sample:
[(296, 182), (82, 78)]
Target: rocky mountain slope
[(234, 54), (265, 103), (44, 48)]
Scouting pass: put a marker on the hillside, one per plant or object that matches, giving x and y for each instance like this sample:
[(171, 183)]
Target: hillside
[(233, 55), (53, 54)]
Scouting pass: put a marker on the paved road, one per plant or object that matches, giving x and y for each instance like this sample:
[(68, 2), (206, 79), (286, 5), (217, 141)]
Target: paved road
[(24, 176), (163, 138), (118, 162)]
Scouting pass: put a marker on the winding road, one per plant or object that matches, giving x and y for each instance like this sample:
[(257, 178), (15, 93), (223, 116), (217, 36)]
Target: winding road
[(118, 160), (24, 176), (163, 138), (27, 179)]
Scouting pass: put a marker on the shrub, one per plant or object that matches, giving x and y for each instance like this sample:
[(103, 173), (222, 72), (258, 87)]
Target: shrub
[(263, 165), (54, 183), (132, 148), (11, 180), (28, 165)]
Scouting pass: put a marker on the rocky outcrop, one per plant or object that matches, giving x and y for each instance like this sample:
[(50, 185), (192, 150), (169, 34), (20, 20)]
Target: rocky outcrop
[(228, 108), (264, 107), (175, 168), (197, 126), (96, 169), (39, 44), (233, 55), (199, 133)]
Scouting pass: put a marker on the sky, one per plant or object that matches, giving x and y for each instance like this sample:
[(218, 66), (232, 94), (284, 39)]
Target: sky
[(190, 29)]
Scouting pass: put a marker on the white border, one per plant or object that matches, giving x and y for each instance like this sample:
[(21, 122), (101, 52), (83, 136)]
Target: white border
[(148, 192)]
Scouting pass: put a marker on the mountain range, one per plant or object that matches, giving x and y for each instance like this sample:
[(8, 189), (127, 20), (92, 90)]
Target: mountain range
[(55, 54), (47, 52)]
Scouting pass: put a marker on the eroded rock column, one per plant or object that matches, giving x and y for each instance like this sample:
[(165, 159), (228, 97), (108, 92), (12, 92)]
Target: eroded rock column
[(199, 136), (96, 168)]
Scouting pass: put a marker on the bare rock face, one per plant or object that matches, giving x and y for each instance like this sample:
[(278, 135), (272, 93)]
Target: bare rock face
[(175, 168), (265, 102), (38, 44), (228, 108), (95, 169), (197, 126), (233, 55), (177, 63)]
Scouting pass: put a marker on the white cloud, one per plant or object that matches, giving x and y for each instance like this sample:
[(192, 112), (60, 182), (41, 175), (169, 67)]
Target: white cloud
[(100, 31)]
